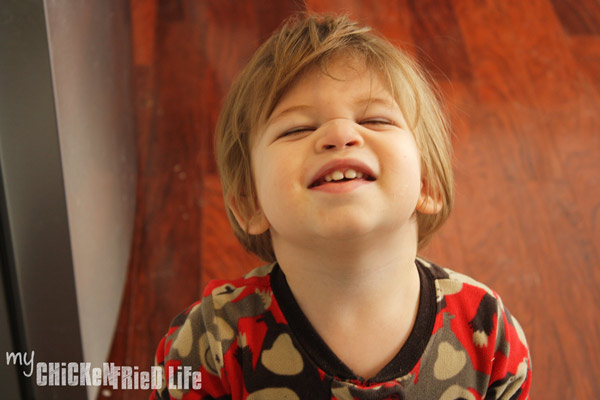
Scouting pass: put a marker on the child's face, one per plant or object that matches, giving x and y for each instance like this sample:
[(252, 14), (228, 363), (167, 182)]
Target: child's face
[(324, 128)]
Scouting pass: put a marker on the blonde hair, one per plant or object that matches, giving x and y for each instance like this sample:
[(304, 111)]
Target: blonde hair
[(303, 42)]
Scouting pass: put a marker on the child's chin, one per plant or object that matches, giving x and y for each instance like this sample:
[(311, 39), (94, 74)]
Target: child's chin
[(345, 228)]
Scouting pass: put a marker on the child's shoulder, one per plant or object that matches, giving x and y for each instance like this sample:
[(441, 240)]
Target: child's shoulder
[(203, 332), (221, 294), (229, 299), (449, 282), (258, 278), (472, 303)]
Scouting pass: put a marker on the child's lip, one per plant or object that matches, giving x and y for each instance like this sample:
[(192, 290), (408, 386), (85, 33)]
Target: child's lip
[(342, 164)]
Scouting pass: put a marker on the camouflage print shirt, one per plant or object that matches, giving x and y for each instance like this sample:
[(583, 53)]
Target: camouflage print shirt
[(249, 339)]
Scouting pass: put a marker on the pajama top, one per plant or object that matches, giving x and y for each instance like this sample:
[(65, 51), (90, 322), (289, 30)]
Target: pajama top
[(249, 339)]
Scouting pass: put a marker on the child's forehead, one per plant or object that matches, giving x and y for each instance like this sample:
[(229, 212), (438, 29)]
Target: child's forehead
[(358, 82)]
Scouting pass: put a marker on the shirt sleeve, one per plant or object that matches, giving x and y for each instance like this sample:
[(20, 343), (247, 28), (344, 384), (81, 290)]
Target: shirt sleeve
[(510, 376), (190, 365)]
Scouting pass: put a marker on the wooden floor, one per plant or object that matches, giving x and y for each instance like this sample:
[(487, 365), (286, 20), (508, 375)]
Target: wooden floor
[(522, 82)]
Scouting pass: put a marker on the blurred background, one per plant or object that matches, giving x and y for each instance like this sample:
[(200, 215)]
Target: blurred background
[(111, 208)]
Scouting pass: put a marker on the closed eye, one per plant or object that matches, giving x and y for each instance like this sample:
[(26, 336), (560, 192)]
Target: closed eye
[(376, 121), (296, 131)]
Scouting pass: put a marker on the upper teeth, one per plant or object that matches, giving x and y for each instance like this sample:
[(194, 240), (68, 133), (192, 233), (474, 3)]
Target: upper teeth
[(339, 175)]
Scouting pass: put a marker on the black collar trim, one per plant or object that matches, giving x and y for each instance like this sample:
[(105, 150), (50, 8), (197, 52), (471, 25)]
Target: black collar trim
[(325, 358)]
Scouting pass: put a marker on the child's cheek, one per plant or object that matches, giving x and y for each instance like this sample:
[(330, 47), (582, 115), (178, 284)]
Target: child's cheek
[(273, 180), (402, 171)]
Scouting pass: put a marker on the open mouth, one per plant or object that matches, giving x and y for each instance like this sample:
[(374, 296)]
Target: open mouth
[(339, 175)]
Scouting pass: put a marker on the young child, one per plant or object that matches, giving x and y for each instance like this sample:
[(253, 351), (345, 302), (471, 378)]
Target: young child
[(335, 164)]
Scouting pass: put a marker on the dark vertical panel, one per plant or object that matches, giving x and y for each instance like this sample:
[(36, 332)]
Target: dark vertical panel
[(35, 220), (11, 377)]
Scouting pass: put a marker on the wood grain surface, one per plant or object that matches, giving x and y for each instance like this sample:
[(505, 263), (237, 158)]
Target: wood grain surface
[(521, 81)]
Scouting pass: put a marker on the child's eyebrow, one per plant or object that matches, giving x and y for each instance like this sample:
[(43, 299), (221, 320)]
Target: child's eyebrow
[(366, 102), (289, 110)]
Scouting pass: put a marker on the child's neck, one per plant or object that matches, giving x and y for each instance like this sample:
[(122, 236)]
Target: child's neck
[(361, 295)]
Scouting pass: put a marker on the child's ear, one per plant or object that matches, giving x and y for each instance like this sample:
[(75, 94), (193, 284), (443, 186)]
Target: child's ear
[(257, 224), (428, 204)]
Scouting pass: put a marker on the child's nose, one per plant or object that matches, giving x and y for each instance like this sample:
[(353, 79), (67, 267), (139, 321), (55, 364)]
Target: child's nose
[(338, 134)]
